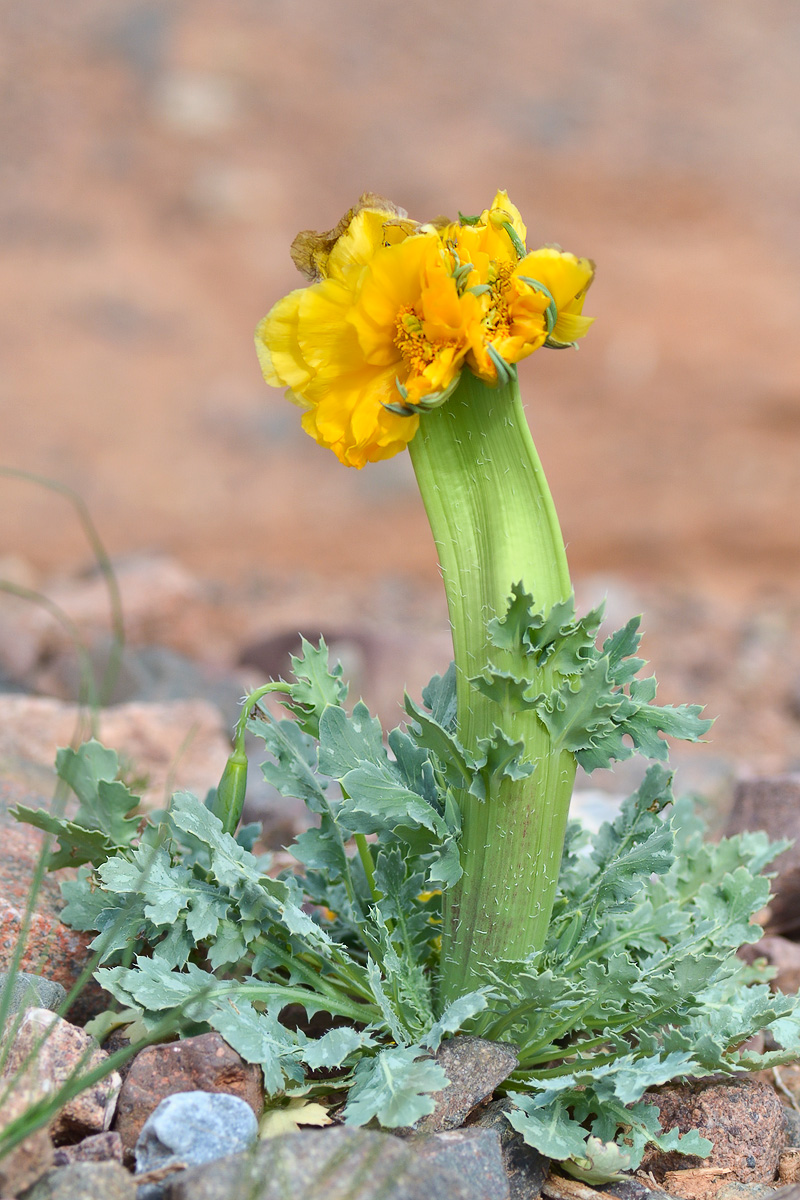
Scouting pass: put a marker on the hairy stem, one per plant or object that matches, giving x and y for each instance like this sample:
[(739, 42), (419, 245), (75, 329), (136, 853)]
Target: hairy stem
[(494, 524)]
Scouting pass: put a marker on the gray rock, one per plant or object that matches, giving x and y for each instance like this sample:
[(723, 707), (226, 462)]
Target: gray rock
[(33, 991), (475, 1067), (791, 1125), (85, 1181), (332, 1164), (744, 1191), (526, 1169), (474, 1155), (195, 1128)]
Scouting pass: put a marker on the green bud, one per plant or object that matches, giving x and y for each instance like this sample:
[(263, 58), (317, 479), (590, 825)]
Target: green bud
[(229, 800)]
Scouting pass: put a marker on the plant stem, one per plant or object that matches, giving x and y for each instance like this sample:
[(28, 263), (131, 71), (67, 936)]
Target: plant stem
[(365, 854), (494, 524)]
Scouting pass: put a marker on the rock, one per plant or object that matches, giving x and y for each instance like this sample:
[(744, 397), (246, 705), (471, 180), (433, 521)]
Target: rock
[(194, 1128), (154, 590), (154, 674), (473, 1155), (475, 1067), (742, 1117), (99, 1147), (789, 1165), (29, 1160), (33, 991), (48, 1049), (791, 1123), (178, 746), (708, 1183), (85, 1181), (630, 1189), (526, 1169), (339, 1163), (780, 953), (744, 1191), (773, 804), (197, 1064)]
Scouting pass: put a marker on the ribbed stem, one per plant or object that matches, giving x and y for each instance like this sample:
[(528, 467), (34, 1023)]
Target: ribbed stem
[(494, 524)]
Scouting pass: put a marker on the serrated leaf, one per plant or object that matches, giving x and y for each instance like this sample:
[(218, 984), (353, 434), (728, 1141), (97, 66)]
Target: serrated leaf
[(315, 686), (260, 1038), (293, 772), (91, 771), (501, 758), (347, 742), (456, 1015), (394, 1087), (333, 1047), (456, 762), (77, 845), (439, 697), (600, 1162), (507, 689), (414, 766), (548, 1127), (378, 803), (446, 870), (153, 990), (292, 1117), (321, 848)]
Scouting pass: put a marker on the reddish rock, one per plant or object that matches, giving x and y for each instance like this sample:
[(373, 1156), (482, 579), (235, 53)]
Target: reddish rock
[(742, 1117), (46, 1051), (198, 1064), (29, 1160), (178, 744)]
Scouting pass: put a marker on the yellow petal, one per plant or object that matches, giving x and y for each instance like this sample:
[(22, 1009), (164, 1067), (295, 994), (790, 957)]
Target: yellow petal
[(565, 276), (570, 326), (501, 203), (328, 342), (279, 353)]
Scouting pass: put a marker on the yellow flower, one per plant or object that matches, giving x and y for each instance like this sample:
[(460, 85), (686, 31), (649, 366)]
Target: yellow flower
[(383, 329), (395, 310)]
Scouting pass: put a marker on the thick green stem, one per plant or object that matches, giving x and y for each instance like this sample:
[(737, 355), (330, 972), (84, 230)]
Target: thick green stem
[(494, 524)]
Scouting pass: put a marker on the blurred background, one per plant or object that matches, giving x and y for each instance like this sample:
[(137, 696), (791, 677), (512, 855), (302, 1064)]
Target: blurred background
[(157, 158)]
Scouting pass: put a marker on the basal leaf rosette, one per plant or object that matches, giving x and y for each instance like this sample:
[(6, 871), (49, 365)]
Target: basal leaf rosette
[(395, 311)]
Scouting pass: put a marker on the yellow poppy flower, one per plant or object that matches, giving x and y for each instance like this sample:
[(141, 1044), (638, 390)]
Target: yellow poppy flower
[(386, 329), (395, 310)]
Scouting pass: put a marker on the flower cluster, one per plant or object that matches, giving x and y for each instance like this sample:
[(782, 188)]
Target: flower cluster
[(396, 310)]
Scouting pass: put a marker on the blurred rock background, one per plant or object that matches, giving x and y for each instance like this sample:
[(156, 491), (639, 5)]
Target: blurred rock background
[(156, 159)]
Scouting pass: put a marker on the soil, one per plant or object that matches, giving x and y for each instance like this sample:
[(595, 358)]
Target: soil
[(156, 160)]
